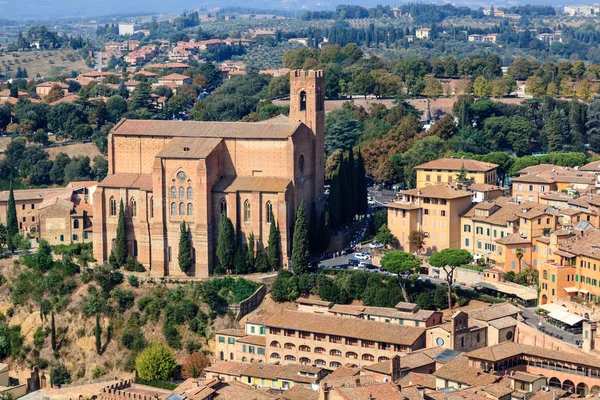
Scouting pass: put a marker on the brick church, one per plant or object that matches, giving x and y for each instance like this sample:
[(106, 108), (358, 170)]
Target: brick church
[(166, 172)]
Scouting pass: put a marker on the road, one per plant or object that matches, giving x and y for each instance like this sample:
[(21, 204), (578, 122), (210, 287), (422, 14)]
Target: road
[(534, 321)]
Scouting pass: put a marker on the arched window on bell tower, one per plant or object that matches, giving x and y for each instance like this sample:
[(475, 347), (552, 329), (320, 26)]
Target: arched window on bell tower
[(303, 101)]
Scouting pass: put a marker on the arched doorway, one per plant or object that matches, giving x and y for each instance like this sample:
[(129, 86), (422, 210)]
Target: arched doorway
[(544, 299), (582, 389), (586, 316), (595, 390), (554, 382), (569, 386)]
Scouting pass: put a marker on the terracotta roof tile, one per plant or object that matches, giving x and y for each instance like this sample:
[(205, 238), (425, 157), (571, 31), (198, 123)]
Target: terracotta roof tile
[(131, 181), (416, 379), (387, 391), (437, 191), (593, 167), (342, 326), (509, 349), (238, 130), (254, 339), (458, 371), (495, 311), (455, 164), (185, 148)]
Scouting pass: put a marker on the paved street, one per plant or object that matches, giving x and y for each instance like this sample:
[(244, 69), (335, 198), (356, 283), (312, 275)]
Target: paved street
[(533, 320)]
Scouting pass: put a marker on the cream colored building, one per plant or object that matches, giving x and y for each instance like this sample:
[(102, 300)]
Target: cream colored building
[(444, 171), (433, 210), (422, 33)]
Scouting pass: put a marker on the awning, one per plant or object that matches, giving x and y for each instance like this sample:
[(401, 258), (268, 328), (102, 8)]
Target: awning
[(584, 291), (551, 307), (565, 317), (519, 291), (571, 289)]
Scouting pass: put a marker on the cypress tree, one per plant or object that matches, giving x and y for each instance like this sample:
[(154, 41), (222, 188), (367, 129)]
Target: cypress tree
[(313, 229), (361, 186), (346, 194), (226, 243), (351, 171), (553, 132), (53, 332), (185, 249), (335, 202), (98, 334), (121, 239), (273, 243), (300, 245), (250, 253), (12, 226), (324, 230)]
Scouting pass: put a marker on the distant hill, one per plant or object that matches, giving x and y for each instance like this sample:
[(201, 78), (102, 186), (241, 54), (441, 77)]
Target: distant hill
[(42, 9)]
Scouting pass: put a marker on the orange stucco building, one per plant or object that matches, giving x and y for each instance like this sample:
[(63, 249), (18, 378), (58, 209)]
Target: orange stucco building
[(168, 172)]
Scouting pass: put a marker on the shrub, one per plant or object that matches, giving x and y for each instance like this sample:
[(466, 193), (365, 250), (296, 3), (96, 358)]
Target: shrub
[(98, 373), (425, 301), (193, 365), (60, 375), (133, 280), (155, 363)]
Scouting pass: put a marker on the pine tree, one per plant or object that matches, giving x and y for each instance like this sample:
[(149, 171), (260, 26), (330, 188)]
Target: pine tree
[(300, 253), (553, 132), (98, 334), (121, 238), (361, 186), (273, 251), (335, 202), (250, 253), (53, 332), (12, 226), (226, 243), (185, 249)]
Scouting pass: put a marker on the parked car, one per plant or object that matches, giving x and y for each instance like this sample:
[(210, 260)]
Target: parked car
[(375, 245), (362, 256), (354, 261), (366, 266)]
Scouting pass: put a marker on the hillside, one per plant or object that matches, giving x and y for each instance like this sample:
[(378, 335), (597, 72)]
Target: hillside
[(130, 314)]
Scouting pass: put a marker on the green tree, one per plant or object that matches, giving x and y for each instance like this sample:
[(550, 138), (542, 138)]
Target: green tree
[(273, 249), (449, 260), (402, 264), (433, 87), (481, 87), (98, 335), (185, 249), (300, 245), (53, 332), (385, 236), (120, 251), (440, 298), (250, 253), (226, 242), (361, 185), (12, 226), (552, 131), (425, 301), (155, 363), (3, 238), (335, 202)]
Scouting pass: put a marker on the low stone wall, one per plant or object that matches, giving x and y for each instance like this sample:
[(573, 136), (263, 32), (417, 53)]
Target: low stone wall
[(250, 304), (462, 276)]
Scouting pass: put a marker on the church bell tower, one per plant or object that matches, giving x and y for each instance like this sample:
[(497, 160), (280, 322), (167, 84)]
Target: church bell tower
[(307, 105)]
